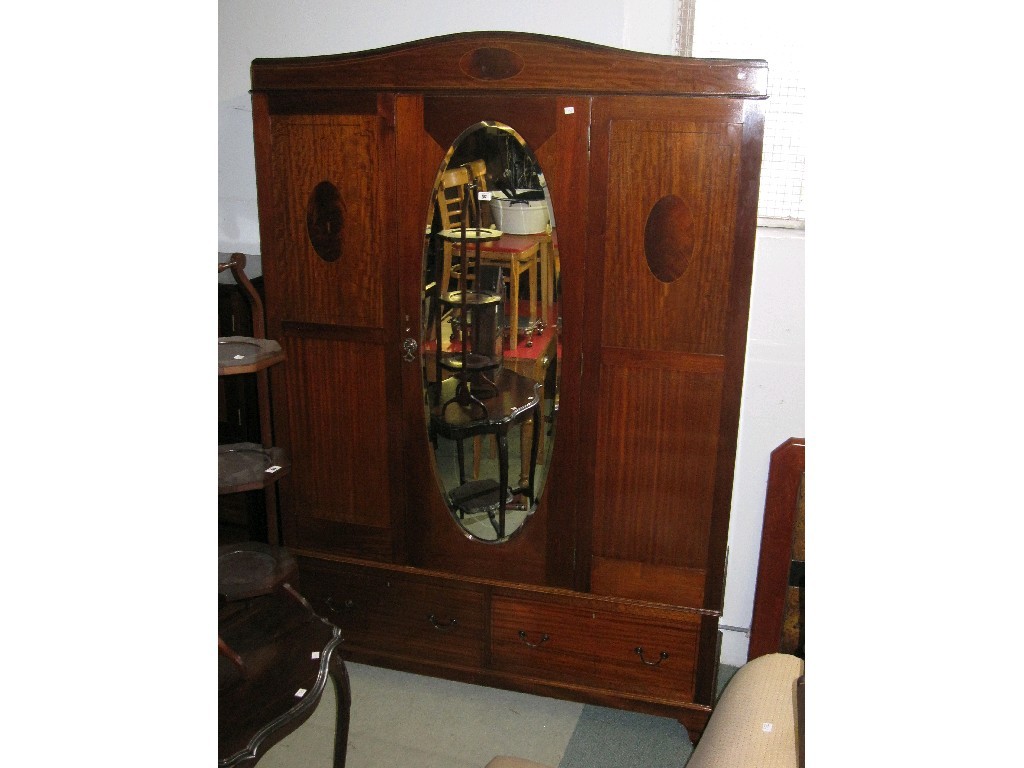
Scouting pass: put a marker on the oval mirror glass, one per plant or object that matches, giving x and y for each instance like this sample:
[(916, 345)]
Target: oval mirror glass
[(490, 326)]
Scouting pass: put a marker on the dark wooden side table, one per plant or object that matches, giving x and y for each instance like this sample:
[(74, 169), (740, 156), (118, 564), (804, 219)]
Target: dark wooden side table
[(517, 398), (276, 656)]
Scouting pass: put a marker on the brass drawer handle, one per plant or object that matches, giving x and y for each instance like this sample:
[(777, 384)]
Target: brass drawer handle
[(639, 651), (441, 626), (543, 639)]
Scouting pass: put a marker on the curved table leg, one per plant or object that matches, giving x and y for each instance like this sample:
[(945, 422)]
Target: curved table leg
[(502, 480), (534, 446), (339, 673)]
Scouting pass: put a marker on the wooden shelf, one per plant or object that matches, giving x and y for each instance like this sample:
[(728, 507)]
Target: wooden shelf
[(244, 354), (249, 467)]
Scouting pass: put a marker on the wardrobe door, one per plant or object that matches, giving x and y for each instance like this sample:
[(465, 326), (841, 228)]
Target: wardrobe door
[(330, 265), (669, 264), (554, 130)]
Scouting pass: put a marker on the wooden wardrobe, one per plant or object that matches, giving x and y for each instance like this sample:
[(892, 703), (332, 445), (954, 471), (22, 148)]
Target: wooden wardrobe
[(611, 591)]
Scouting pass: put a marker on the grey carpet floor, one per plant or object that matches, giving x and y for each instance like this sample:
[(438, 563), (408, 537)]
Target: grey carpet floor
[(614, 738), (400, 720)]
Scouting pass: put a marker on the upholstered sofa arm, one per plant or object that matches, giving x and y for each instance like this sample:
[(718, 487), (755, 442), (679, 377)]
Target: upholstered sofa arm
[(755, 721), (513, 762)]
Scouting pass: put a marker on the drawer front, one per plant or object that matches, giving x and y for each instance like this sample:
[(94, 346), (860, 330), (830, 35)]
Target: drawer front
[(390, 612), (623, 647)]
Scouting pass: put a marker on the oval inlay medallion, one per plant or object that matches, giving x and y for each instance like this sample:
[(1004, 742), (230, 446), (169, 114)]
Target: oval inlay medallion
[(491, 64), (668, 238), (325, 219)]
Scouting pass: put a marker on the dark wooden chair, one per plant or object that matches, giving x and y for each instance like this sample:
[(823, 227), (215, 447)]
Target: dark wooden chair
[(777, 624)]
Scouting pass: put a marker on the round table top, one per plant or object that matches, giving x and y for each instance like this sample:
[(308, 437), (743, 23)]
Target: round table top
[(251, 568)]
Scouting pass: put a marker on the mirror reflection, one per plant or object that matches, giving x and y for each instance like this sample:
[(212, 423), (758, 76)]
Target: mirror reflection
[(490, 328)]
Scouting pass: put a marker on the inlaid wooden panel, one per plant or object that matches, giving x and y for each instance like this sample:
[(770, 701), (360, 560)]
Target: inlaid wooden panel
[(468, 61), (533, 117), (657, 435), (687, 167), (674, 585), (339, 282), (339, 449)]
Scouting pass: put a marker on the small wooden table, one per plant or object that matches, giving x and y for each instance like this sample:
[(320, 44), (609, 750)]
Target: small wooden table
[(517, 399), (276, 656)]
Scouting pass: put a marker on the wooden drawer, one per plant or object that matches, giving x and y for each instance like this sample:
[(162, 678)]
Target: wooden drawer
[(594, 642), (397, 613)]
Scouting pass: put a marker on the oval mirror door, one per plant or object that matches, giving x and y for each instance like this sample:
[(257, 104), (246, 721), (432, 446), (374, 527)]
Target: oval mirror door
[(490, 327)]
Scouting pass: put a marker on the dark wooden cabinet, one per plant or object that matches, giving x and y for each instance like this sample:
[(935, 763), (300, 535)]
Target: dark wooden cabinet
[(652, 163)]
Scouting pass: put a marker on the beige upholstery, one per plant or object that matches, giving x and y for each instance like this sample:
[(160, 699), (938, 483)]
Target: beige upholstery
[(514, 762), (754, 723)]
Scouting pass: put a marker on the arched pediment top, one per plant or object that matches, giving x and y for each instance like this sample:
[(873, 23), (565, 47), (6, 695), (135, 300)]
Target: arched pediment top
[(496, 61)]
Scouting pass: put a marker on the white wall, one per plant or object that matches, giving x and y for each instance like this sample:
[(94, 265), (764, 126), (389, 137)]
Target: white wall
[(773, 402), (772, 411), (252, 29)]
